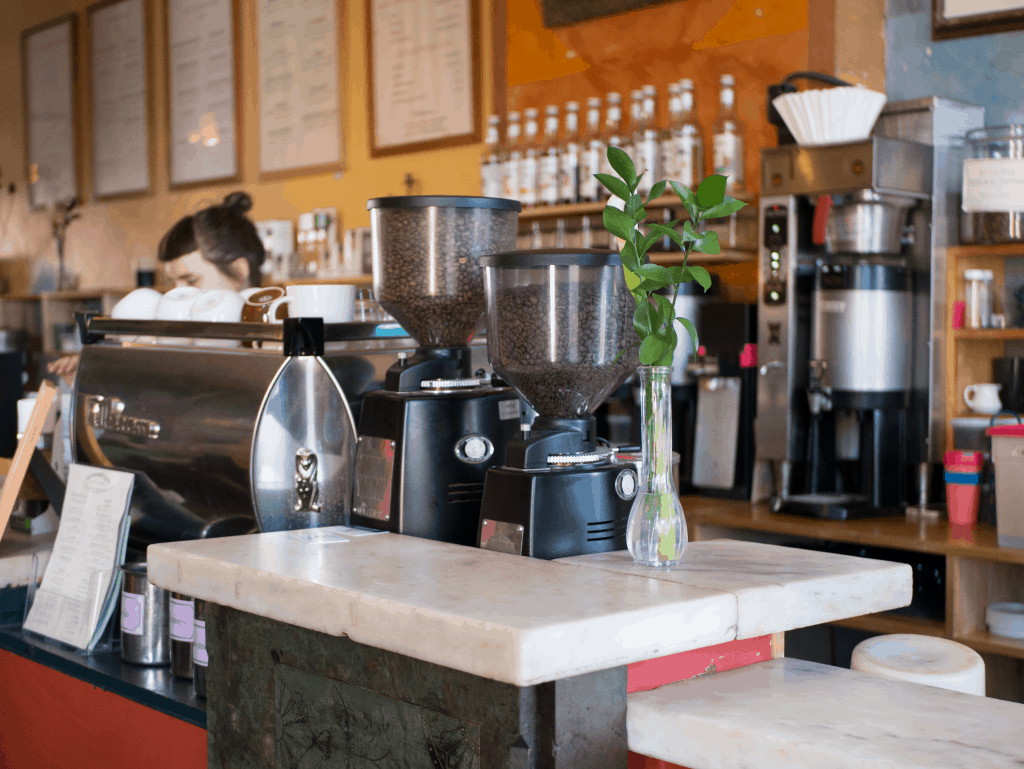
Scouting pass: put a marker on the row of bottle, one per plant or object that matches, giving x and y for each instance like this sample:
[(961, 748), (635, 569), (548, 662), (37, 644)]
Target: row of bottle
[(549, 169)]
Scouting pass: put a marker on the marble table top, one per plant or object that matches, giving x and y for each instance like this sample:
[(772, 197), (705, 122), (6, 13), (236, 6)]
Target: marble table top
[(16, 551), (777, 588), (508, 618), (787, 713)]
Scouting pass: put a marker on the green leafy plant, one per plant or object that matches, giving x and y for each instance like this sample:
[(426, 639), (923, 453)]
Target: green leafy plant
[(655, 319)]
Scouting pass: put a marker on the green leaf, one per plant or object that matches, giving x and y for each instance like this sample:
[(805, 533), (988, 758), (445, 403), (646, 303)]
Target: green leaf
[(727, 207), (645, 318), (656, 191), (618, 223), (666, 312), (709, 244), (691, 331), (646, 243), (680, 274), (711, 191), (701, 276), (654, 272), (632, 281), (684, 193), (639, 215), (668, 232), (623, 166), (673, 340), (629, 257), (615, 186), (689, 234), (653, 349)]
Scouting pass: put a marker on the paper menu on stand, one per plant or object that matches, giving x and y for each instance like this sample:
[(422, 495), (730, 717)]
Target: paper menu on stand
[(83, 578)]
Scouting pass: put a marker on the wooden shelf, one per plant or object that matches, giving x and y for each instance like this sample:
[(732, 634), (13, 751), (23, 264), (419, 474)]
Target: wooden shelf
[(728, 256), (984, 641), (992, 334), (1003, 249), (667, 200), (887, 623), (348, 280)]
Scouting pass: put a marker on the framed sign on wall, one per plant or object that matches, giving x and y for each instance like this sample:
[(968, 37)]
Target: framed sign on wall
[(424, 64), (962, 18), (203, 92), (49, 83), (298, 50), (121, 112)]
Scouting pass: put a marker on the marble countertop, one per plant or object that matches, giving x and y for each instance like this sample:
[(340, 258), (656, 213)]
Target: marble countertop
[(16, 552), (787, 713), (515, 619)]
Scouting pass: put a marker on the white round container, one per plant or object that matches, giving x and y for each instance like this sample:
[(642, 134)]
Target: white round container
[(1005, 619)]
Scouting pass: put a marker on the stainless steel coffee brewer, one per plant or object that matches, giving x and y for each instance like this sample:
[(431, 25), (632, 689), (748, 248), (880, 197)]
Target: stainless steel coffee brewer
[(843, 309), (427, 438)]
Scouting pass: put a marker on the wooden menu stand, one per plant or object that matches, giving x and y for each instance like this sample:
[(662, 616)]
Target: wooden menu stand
[(19, 466)]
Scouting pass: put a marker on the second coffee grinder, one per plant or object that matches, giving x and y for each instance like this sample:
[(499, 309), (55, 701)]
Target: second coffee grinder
[(560, 331), (427, 439)]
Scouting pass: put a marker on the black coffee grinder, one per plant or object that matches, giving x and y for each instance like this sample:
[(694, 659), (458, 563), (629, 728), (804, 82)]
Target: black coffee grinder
[(427, 439), (560, 331)]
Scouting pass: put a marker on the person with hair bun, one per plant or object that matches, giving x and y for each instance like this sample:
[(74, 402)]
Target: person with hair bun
[(216, 247)]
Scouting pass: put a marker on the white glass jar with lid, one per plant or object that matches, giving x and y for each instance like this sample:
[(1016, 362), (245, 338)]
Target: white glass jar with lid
[(978, 295), (993, 186)]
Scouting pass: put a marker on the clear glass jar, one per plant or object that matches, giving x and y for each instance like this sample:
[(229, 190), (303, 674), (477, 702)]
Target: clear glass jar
[(993, 201), (978, 296)]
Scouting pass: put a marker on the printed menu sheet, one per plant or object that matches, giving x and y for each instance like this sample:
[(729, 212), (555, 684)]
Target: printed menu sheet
[(120, 125), (300, 115), (201, 83), (422, 70), (50, 113), (83, 578)]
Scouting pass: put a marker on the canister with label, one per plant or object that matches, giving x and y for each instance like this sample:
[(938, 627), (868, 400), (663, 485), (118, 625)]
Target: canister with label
[(144, 633), (200, 659), (182, 628)]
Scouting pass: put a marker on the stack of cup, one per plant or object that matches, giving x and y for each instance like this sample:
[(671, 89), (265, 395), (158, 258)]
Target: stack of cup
[(963, 486)]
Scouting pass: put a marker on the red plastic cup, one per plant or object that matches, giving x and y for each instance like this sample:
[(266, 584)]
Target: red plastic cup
[(963, 486)]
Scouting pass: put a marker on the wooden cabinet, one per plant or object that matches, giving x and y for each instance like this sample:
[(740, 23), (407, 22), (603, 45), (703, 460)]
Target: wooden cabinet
[(970, 351)]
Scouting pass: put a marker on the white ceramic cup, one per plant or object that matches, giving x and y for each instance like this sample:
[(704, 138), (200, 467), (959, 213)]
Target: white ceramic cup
[(140, 304), (217, 306), (176, 304), (335, 304), (983, 398)]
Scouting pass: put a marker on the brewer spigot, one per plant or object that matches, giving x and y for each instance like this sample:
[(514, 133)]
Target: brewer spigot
[(819, 397)]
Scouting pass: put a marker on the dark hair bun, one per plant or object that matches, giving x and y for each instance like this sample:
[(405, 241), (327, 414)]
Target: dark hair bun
[(239, 203)]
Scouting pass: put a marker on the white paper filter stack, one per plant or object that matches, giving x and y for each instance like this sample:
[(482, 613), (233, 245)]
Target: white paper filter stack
[(830, 116)]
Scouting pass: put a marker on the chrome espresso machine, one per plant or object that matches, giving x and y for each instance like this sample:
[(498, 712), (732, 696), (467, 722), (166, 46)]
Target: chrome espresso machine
[(851, 301)]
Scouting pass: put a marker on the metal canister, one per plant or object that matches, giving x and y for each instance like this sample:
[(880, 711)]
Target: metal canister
[(200, 659), (144, 608), (182, 628)]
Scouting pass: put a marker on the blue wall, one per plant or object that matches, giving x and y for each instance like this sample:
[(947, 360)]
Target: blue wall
[(987, 70)]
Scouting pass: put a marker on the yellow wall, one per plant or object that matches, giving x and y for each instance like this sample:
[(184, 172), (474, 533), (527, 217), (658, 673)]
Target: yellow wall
[(103, 245)]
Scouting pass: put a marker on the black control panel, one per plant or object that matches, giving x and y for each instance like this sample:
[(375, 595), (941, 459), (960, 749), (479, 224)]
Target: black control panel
[(776, 237)]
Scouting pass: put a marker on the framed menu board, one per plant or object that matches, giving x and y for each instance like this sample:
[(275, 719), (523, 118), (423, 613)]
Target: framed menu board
[(119, 73), (48, 55), (424, 64), (298, 43), (203, 92)]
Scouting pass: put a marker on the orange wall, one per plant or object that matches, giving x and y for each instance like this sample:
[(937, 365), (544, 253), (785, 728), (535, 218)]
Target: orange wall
[(757, 41)]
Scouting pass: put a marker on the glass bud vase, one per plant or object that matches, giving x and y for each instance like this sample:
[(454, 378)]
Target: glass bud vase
[(656, 533)]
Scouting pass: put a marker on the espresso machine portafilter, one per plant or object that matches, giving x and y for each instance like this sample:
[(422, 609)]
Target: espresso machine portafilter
[(843, 309)]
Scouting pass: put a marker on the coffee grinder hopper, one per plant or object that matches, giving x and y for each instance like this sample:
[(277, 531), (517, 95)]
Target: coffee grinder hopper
[(560, 332), (427, 273)]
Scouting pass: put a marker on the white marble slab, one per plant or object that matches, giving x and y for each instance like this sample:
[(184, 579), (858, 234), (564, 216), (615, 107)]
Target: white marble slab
[(777, 588), (16, 557), (789, 713), (504, 617)]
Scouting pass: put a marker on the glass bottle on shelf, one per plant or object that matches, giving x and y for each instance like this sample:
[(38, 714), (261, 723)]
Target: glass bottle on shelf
[(689, 139), (647, 142), (592, 155), (667, 155), (585, 234), (728, 138), (548, 182), (490, 161), (613, 135), (310, 259), (536, 238), (569, 156), (529, 173), (512, 157), (636, 117)]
